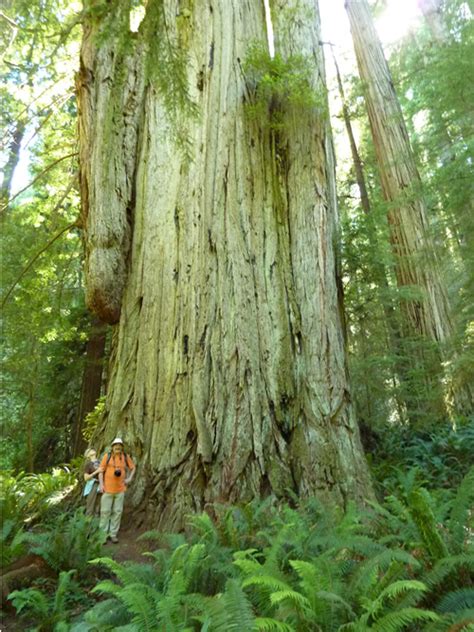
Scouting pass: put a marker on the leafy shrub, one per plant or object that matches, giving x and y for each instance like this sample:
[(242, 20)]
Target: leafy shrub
[(278, 86), (27, 496), (442, 455)]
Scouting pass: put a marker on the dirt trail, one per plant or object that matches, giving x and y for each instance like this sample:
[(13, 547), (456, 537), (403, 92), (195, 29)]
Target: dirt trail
[(128, 547)]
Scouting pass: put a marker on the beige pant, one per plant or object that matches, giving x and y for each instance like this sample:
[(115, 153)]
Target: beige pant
[(111, 507)]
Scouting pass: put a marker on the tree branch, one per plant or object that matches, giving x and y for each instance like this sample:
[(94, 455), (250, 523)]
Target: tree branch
[(38, 177), (32, 261)]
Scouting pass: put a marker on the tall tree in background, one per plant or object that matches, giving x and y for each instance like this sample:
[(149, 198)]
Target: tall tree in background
[(430, 72), (427, 313), (228, 377), (379, 276)]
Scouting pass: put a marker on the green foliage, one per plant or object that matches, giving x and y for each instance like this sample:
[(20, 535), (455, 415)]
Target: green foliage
[(25, 497), (93, 419), (439, 456), (49, 612), (423, 517), (313, 567), (43, 310), (11, 542), (69, 542), (279, 87), (167, 65)]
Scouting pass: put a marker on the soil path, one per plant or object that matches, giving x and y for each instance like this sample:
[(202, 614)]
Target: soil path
[(129, 548)]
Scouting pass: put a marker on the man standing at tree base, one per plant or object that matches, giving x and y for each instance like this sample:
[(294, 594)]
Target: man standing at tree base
[(117, 471)]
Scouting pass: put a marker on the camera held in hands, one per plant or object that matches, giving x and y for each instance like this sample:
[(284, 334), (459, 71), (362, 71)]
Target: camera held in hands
[(118, 472)]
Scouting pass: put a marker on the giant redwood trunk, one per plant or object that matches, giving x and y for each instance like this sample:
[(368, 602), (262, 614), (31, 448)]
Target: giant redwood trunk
[(228, 374)]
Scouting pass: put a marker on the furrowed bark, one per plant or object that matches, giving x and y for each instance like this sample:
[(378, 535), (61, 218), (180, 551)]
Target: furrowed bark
[(110, 88), (228, 377)]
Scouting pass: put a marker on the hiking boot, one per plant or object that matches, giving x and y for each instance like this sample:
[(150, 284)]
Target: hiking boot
[(114, 539)]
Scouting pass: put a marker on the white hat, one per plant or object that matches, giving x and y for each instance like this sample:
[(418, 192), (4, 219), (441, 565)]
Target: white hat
[(117, 440)]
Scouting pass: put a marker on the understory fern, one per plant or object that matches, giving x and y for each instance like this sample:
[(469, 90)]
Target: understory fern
[(405, 565), (50, 612)]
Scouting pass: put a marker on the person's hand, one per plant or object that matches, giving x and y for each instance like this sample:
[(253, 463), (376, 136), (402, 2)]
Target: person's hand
[(101, 489), (127, 481)]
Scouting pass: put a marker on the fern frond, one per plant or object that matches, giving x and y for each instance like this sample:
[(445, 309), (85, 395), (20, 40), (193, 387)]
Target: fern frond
[(273, 583), (63, 591), (30, 599), (335, 599), (462, 505), (249, 567), (151, 536), (266, 624), (107, 586), (289, 595), (140, 601), (462, 621), (422, 514), (402, 586), (400, 619), (203, 525), (462, 599), (107, 614), (239, 608), (443, 568), (393, 591), (123, 572), (367, 573)]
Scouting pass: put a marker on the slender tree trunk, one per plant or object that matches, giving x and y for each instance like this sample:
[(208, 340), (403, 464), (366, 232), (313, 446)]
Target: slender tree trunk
[(13, 159), (29, 419), (91, 382), (416, 267), (228, 372), (416, 264), (432, 12), (395, 334)]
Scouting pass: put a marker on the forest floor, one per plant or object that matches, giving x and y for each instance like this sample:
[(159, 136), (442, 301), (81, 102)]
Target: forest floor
[(129, 548)]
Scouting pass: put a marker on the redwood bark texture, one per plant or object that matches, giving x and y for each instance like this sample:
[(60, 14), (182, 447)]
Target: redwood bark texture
[(228, 375)]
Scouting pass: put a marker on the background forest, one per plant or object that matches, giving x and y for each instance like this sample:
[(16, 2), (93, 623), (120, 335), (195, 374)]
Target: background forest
[(404, 563)]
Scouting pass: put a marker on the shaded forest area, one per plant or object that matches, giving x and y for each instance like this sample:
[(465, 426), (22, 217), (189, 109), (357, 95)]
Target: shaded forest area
[(257, 267)]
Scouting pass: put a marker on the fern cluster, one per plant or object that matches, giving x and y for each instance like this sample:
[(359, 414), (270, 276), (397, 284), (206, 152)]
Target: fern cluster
[(69, 542), (25, 498), (405, 565)]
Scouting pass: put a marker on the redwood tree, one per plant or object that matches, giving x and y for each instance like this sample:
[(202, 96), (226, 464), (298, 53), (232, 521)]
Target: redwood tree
[(424, 297), (210, 244)]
